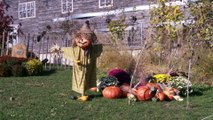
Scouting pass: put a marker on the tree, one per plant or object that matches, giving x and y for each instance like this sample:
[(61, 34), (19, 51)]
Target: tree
[(202, 15), (5, 21), (196, 31), (164, 21)]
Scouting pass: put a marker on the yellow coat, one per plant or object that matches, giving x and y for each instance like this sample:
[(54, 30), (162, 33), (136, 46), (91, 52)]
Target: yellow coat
[(84, 66)]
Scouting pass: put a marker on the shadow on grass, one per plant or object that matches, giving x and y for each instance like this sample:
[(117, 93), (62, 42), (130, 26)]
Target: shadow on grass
[(198, 90), (95, 96), (196, 93), (47, 72)]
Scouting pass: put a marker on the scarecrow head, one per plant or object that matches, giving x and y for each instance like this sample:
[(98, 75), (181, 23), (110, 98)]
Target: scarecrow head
[(84, 37)]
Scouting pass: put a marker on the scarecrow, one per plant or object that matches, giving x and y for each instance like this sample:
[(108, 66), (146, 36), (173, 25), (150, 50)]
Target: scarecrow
[(84, 53)]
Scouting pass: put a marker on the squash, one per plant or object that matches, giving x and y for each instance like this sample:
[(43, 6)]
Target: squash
[(160, 96), (83, 98), (169, 92), (93, 89), (155, 86), (131, 97), (112, 92), (144, 93)]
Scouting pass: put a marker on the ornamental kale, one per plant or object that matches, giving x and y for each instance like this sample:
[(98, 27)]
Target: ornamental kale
[(106, 81)]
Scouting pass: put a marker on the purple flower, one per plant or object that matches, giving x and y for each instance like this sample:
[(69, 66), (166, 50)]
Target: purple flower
[(121, 75)]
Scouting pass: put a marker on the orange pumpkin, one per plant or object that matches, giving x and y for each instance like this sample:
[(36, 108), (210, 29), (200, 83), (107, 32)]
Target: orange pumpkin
[(151, 85), (94, 89), (160, 96), (112, 92), (144, 93), (155, 85)]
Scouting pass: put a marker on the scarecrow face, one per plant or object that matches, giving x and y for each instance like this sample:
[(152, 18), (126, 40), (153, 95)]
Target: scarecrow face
[(82, 42)]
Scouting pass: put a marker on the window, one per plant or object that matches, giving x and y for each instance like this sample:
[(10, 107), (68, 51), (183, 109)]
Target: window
[(66, 6), (105, 3), (26, 10)]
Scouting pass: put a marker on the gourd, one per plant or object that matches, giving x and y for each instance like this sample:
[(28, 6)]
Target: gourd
[(94, 89), (169, 92), (160, 96), (112, 92)]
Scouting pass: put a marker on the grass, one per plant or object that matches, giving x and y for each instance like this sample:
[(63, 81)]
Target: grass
[(47, 97)]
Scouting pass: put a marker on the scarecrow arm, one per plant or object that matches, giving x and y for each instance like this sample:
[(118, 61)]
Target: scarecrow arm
[(67, 52)]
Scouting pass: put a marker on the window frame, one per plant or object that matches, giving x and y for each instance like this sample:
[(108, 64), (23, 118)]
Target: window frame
[(67, 11), (105, 6), (23, 7)]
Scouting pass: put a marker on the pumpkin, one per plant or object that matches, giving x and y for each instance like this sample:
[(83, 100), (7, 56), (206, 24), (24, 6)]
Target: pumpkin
[(160, 96), (94, 89), (82, 42), (151, 85), (144, 93), (112, 92), (154, 85), (125, 89)]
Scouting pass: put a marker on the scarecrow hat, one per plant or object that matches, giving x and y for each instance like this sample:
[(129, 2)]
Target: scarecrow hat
[(85, 28)]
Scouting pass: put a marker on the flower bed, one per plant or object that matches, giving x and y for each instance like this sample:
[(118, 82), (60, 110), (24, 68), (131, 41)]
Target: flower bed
[(157, 87), (12, 66)]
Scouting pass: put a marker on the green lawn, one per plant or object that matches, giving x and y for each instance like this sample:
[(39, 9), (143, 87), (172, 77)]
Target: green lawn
[(47, 97)]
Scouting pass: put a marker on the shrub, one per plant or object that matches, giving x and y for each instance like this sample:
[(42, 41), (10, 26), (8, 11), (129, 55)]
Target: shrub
[(5, 71), (6, 67), (18, 70), (34, 67)]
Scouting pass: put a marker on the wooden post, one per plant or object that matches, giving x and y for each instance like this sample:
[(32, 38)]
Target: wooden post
[(46, 53), (43, 45), (39, 49), (50, 56), (31, 51), (7, 50), (2, 45)]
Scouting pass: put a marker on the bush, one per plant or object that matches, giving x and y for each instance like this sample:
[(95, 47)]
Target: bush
[(11, 67), (18, 70), (34, 67), (6, 67), (5, 71)]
